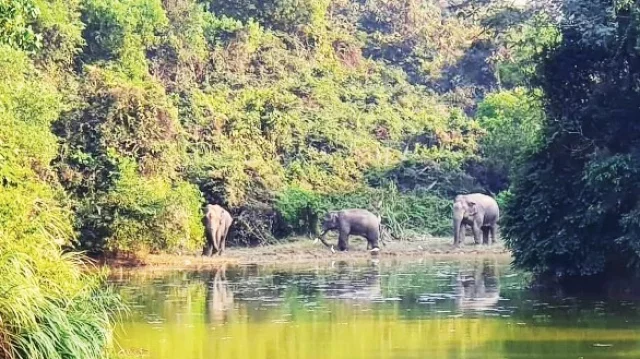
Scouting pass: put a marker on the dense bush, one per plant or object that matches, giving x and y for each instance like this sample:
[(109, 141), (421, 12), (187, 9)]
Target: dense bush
[(513, 121), (123, 147), (49, 308), (573, 209)]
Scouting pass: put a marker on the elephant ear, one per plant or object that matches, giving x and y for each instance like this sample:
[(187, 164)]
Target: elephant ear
[(473, 209)]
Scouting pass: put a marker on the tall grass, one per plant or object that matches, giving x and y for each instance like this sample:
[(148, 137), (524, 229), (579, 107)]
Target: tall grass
[(50, 309)]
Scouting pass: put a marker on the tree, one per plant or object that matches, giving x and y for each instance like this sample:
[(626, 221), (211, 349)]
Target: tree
[(574, 208)]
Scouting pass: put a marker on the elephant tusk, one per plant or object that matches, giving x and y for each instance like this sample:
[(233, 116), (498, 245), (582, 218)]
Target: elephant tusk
[(315, 240), (332, 250)]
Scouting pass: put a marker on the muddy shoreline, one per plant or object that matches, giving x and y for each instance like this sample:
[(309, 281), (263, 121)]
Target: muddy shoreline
[(306, 251)]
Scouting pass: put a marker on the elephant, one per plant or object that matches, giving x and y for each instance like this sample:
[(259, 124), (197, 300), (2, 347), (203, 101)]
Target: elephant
[(480, 291), (219, 297), (479, 211), (359, 222), (217, 222)]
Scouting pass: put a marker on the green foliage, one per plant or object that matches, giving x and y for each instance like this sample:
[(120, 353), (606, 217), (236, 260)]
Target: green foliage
[(300, 209), (513, 121), (49, 307), (16, 31), (573, 209), (166, 102), (411, 34), (122, 30), (518, 60), (152, 213), (60, 27), (277, 14), (123, 149)]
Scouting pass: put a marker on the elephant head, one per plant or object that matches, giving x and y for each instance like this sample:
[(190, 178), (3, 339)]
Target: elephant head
[(330, 221), (465, 207), (464, 210)]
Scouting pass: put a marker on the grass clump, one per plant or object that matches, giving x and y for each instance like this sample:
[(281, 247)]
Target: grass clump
[(49, 308)]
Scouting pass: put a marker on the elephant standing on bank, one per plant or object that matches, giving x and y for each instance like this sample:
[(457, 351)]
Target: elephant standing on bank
[(359, 222), (479, 211), (217, 222)]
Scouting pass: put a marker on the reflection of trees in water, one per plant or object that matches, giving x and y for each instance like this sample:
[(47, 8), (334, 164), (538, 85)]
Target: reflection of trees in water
[(219, 297), (478, 290)]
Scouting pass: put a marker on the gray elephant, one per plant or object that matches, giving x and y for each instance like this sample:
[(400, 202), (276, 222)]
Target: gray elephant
[(358, 222), (479, 211), (217, 222)]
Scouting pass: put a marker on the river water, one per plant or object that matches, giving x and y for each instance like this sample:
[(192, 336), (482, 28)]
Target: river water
[(426, 308)]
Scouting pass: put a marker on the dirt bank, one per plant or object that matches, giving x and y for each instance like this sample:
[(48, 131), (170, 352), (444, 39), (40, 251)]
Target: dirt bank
[(305, 250)]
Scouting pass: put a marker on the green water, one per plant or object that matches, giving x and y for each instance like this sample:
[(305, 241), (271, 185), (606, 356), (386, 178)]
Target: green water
[(420, 309)]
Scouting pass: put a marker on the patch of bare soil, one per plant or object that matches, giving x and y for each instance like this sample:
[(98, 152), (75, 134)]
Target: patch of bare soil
[(306, 250)]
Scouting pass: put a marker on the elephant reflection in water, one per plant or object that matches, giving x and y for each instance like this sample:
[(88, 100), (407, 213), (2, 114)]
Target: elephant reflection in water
[(219, 298), (480, 291), (355, 285)]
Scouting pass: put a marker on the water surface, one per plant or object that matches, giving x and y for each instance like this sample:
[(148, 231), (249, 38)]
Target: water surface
[(430, 308)]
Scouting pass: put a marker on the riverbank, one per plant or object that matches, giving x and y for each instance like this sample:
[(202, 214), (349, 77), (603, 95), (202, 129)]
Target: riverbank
[(305, 250)]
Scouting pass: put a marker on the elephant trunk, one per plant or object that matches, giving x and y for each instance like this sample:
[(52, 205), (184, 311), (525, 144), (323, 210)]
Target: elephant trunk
[(321, 238), (457, 223)]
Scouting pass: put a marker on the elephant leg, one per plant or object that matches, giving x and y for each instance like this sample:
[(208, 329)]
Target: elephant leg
[(209, 245), (223, 240), (372, 239), (208, 249), (219, 240), (485, 235), (343, 244), (222, 246), (476, 232), (461, 235)]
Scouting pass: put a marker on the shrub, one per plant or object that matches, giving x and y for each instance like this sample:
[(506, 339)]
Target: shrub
[(573, 208), (152, 213), (122, 30), (50, 308)]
